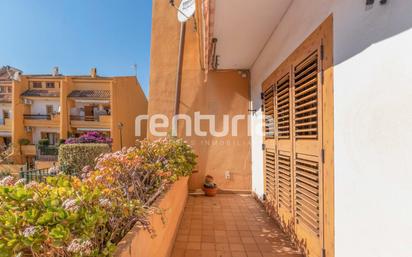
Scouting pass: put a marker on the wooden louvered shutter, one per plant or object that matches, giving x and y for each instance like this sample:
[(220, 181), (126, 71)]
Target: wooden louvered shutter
[(306, 98), (308, 192), (283, 107), (284, 180), (303, 142), (269, 108), (270, 174), (307, 168)]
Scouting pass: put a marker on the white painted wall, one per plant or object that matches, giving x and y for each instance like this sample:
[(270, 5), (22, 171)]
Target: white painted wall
[(5, 107), (373, 111), (39, 106), (36, 132)]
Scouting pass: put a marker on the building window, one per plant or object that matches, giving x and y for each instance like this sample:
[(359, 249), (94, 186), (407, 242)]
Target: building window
[(6, 114), (37, 84), (2, 89), (8, 89), (50, 85), (49, 109)]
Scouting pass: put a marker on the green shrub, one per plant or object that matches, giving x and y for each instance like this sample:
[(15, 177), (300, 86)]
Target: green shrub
[(24, 141), (67, 216), (74, 157), (44, 142), (63, 217), (153, 165)]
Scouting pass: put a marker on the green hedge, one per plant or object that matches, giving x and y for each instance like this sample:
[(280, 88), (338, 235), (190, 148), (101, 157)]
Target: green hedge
[(74, 157)]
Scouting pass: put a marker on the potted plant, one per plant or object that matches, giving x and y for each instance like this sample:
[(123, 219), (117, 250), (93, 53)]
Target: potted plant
[(209, 187)]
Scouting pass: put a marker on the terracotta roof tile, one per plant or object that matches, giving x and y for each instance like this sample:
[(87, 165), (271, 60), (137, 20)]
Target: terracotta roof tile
[(96, 94), (41, 93), (5, 98)]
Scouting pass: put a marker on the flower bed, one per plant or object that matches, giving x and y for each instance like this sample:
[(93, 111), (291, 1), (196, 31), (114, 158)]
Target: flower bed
[(69, 216), (141, 243)]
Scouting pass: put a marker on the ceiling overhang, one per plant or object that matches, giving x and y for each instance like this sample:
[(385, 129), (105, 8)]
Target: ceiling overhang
[(242, 28)]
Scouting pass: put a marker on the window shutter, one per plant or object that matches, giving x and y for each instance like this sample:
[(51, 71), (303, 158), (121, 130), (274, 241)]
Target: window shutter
[(284, 180), (270, 173), (307, 199), (269, 108), (306, 98), (283, 107)]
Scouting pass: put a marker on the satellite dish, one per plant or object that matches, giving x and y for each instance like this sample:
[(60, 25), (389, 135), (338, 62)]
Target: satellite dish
[(186, 10), (16, 76)]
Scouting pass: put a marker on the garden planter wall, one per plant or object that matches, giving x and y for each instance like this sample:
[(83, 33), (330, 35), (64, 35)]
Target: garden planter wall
[(139, 243)]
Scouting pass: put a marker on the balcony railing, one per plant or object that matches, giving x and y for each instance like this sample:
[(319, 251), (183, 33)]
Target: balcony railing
[(37, 116), (84, 118), (49, 150)]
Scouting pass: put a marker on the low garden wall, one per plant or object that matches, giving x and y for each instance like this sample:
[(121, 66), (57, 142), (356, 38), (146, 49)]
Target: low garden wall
[(140, 243)]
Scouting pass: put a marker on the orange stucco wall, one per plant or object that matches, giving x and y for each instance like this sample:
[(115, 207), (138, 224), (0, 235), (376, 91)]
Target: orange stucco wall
[(139, 243), (127, 102), (225, 92)]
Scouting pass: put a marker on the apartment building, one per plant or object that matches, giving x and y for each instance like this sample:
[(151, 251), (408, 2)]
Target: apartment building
[(55, 106), (326, 86), (7, 74)]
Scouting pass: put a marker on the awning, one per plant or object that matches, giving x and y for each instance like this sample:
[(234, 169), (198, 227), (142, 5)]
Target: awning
[(40, 93), (5, 134), (91, 94), (94, 129)]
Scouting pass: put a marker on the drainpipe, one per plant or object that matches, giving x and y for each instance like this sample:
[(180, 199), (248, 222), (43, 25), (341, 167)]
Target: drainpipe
[(179, 70)]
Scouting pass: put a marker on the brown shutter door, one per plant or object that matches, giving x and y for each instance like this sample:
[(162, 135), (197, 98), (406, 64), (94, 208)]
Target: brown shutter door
[(307, 168), (283, 107), (269, 113), (284, 180), (270, 174)]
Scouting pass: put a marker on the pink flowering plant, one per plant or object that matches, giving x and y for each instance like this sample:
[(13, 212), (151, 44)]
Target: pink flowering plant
[(90, 137), (63, 217), (88, 216), (145, 171)]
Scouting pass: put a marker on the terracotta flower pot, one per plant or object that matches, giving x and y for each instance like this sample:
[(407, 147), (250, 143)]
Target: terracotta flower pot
[(210, 191)]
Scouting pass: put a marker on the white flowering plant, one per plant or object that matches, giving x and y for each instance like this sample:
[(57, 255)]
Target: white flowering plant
[(88, 216), (63, 217)]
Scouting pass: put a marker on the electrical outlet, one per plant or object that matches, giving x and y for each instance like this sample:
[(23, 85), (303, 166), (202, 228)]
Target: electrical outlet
[(227, 175)]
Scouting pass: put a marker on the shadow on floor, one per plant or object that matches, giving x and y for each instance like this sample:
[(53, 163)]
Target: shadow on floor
[(230, 225)]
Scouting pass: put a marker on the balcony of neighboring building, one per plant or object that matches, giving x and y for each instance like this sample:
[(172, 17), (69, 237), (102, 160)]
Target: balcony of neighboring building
[(90, 110), (5, 124), (43, 107), (5, 94), (42, 120)]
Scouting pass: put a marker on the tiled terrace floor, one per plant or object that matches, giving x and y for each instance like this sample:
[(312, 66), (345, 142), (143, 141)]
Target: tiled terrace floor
[(229, 225)]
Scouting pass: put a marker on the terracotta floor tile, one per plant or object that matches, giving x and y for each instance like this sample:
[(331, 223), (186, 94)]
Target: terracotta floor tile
[(229, 225), (221, 239), (193, 253), (239, 254), (234, 239), (208, 239), (223, 254), (236, 247), (220, 232), (193, 246), (180, 245), (182, 238), (247, 240), (251, 247), (208, 253), (254, 254), (222, 247), (208, 246), (178, 253)]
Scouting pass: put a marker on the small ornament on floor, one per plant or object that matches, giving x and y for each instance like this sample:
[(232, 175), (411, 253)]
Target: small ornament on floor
[(209, 187)]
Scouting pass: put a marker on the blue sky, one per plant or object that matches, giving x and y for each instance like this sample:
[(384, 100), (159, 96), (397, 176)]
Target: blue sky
[(75, 35)]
